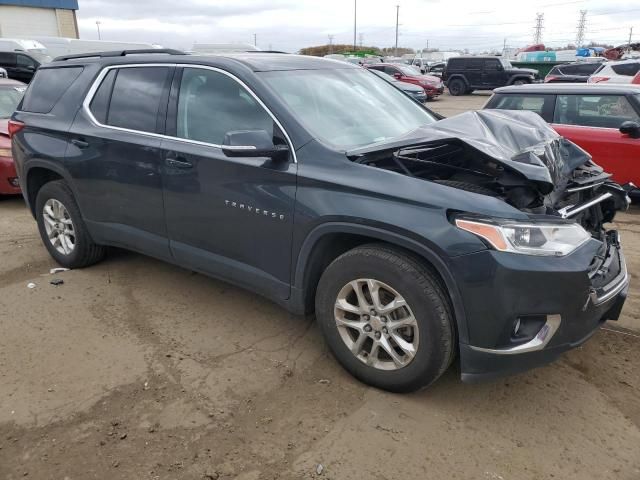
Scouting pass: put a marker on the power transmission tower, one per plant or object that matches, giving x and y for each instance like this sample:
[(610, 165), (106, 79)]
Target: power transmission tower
[(581, 28), (537, 35), (330, 43), (397, 18), (360, 39)]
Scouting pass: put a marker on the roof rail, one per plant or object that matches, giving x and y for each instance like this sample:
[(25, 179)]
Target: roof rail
[(120, 53)]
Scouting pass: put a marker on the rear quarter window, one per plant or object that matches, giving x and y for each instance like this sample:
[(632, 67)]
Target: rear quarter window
[(628, 69), (47, 87)]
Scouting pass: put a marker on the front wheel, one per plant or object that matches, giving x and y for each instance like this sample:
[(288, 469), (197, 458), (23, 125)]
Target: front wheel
[(62, 229), (386, 318)]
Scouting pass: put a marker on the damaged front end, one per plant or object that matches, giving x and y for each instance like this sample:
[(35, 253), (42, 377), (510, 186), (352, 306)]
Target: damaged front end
[(514, 156)]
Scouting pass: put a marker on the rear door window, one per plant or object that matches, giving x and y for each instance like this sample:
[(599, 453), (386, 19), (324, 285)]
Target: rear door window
[(604, 111), (135, 99), (7, 59), (474, 64), (47, 87), (628, 69), (491, 65), (540, 104)]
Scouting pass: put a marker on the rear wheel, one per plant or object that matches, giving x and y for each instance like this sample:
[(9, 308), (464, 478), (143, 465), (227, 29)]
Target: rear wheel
[(520, 81), (386, 318), (62, 229), (457, 87)]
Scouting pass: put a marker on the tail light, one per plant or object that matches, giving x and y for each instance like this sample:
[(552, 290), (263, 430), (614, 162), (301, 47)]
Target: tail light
[(14, 127), (549, 78), (598, 79), (636, 79)]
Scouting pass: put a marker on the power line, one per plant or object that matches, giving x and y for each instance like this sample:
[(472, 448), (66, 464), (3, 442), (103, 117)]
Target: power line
[(581, 26), (537, 36)]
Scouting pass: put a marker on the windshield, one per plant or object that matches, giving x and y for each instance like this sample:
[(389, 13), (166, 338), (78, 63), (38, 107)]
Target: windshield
[(506, 63), (408, 70), (347, 108), (9, 98)]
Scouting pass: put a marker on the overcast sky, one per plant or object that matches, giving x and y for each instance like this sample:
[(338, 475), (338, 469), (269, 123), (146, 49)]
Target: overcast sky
[(292, 24)]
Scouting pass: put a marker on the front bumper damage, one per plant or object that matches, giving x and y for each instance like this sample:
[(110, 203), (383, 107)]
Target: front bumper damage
[(556, 304)]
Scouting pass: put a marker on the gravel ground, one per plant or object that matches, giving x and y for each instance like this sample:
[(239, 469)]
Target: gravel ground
[(135, 369)]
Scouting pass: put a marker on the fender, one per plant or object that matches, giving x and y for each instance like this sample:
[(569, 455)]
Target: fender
[(389, 237), (520, 76), (48, 165)]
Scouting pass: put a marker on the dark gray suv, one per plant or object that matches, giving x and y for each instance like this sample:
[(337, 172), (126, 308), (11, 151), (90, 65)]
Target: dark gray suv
[(327, 189)]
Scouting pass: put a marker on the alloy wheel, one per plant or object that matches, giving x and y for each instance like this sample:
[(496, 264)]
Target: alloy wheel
[(376, 324), (59, 227)]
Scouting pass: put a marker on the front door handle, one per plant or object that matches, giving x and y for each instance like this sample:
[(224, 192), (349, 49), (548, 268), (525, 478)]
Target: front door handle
[(178, 162), (80, 143)]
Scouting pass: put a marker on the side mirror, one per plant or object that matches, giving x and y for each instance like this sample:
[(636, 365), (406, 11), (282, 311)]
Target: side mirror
[(252, 143), (630, 128)]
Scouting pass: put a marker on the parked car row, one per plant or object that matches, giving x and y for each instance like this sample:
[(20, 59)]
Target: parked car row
[(432, 86)]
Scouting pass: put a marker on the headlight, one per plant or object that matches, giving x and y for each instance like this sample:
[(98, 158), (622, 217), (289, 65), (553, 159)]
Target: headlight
[(5, 152), (549, 239)]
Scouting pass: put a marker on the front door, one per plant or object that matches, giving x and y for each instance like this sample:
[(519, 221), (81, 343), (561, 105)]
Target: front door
[(227, 217), (492, 73), (593, 122)]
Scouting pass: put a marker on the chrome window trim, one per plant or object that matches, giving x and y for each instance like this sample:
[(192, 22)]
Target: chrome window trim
[(103, 73)]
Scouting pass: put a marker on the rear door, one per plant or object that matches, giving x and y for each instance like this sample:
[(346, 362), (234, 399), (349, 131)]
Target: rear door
[(593, 122), (114, 157), (473, 71), (227, 217)]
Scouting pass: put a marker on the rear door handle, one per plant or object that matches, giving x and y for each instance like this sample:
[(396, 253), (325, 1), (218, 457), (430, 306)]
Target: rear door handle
[(80, 143), (178, 162)]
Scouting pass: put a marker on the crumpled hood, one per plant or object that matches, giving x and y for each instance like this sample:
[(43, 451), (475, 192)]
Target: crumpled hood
[(519, 140)]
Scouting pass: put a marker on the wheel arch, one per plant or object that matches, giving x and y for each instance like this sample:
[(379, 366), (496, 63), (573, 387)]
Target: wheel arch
[(330, 240), (519, 76), (457, 76), (39, 173)]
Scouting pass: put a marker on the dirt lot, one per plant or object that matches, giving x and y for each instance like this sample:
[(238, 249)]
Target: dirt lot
[(135, 369)]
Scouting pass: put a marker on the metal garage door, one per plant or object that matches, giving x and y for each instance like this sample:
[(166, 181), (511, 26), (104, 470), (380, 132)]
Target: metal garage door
[(26, 21)]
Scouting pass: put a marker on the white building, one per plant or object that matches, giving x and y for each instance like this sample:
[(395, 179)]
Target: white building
[(30, 18)]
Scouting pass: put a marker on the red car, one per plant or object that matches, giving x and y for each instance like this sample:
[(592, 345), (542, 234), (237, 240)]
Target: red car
[(11, 92), (433, 86), (602, 119)]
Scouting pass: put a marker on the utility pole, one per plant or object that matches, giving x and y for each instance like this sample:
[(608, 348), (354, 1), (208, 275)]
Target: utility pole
[(537, 36), (355, 23), (581, 28), (397, 18), (330, 43), (630, 35), (255, 40), (504, 45), (98, 22)]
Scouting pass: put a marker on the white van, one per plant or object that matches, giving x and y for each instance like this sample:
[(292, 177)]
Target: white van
[(58, 46), (19, 44)]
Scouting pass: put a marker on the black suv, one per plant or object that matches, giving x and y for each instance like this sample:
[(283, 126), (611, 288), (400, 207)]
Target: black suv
[(21, 65), (465, 74), (323, 187)]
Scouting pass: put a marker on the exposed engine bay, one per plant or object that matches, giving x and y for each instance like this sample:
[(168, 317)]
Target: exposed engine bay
[(514, 156)]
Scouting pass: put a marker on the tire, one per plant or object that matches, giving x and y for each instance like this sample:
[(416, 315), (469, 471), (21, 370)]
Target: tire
[(78, 250), (457, 87), (520, 81), (408, 276), (469, 91)]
